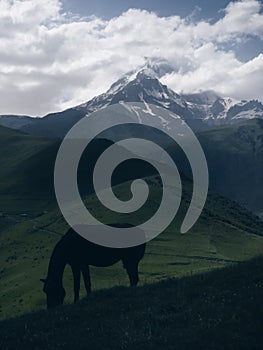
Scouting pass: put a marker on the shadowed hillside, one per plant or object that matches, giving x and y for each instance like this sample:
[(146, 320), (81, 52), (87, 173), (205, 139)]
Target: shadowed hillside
[(31, 224), (225, 233), (27, 172), (219, 310), (235, 159), (234, 155)]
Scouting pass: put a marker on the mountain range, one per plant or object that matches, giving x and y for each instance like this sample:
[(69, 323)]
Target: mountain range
[(200, 110), (230, 131)]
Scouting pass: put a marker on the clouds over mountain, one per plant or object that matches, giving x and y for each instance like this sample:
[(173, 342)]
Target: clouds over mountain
[(50, 60)]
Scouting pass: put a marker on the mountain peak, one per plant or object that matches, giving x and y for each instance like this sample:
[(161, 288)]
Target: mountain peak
[(143, 85), (146, 77), (146, 73), (154, 68)]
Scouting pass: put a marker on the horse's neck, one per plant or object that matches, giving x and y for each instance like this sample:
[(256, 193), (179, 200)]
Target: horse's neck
[(57, 264)]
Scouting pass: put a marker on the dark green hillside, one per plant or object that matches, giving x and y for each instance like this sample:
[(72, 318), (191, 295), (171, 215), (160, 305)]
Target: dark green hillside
[(234, 155), (221, 310), (28, 166), (16, 121), (16, 177), (225, 233), (55, 124), (235, 160), (31, 224), (17, 147)]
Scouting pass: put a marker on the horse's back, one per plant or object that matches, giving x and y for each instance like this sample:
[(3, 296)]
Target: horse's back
[(84, 252)]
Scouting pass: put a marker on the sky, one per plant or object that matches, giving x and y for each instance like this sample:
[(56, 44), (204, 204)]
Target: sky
[(57, 54), (107, 9)]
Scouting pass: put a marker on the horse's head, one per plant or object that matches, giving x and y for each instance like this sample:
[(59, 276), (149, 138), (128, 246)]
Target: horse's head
[(55, 294)]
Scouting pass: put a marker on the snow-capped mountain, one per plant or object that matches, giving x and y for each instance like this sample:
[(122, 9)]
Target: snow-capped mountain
[(228, 110), (142, 86), (200, 110), (216, 110)]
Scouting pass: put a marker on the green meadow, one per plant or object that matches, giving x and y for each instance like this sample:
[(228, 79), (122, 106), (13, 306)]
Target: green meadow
[(197, 290), (225, 233)]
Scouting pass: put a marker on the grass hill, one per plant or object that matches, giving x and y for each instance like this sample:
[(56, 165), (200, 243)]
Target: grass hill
[(31, 224), (224, 234), (235, 160), (234, 155), (16, 147), (17, 175), (220, 310), (26, 177)]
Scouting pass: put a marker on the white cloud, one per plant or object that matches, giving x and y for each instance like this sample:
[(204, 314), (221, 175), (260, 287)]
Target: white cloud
[(242, 17), (50, 60)]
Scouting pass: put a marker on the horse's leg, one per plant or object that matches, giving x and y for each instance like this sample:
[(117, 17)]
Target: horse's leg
[(86, 277), (76, 278), (132, 270)]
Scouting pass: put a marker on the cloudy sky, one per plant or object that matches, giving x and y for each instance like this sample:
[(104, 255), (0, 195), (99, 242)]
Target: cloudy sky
[(56, 54)]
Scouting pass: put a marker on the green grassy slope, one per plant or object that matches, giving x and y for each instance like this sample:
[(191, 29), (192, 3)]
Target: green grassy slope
[(18, 173), (225, 233), (221, 310), (235, 159), (17, 147), (26, 176)]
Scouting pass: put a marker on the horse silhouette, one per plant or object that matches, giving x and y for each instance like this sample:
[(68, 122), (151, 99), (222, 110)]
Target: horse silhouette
[(79, 253)]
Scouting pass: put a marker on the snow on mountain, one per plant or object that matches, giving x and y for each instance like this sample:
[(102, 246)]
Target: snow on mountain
[(200, 110), (142, 86), (200, 103), (228, 110), (201, 98)]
